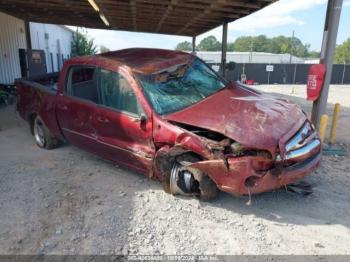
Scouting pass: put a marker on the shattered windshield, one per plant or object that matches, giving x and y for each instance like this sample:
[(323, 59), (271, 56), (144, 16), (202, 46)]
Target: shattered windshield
[(180, 86)]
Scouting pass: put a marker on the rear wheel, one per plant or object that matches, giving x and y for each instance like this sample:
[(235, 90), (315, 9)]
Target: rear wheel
[(42, 135)]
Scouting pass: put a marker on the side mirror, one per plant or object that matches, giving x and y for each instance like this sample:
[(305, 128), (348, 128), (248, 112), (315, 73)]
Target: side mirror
[(143, 119)]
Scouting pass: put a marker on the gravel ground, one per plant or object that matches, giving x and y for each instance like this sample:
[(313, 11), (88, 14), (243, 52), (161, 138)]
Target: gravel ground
[(66, 201)]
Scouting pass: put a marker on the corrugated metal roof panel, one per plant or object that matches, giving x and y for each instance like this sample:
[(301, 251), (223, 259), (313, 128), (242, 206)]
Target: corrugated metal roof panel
[(176, 17)]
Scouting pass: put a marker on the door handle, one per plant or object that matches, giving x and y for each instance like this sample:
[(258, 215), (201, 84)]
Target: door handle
[(102, 120), (62, 107)]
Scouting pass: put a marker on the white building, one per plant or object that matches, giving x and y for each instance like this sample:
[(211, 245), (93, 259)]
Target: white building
[(12, 38), (249, 57), (54, 40)]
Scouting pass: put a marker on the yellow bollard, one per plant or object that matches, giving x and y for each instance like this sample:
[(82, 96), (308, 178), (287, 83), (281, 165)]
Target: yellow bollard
[(334, 123), (323, 127)]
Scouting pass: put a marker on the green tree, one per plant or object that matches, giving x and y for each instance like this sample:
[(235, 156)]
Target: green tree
[(276, 45), (342, 52), (81, 44), (230, 47), (184, 46), (298, 48), (243, 44), (256, 44), (280, 44), (261, 44), (209, 43), (314, 54), (104, 49)]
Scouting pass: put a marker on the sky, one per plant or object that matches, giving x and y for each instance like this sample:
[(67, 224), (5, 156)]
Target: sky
[(305, 17)]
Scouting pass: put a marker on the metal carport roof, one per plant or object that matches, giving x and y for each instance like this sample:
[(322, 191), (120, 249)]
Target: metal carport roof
[(174, 17)]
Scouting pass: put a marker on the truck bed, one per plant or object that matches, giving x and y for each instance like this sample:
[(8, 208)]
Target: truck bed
[(37, 96), (47, 82)]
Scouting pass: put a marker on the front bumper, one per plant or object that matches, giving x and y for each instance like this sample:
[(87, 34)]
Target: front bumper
[(256, 174), (271, 179), (240, 177)]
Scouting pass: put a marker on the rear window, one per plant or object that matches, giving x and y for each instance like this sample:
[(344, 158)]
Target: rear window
[(82, 83)]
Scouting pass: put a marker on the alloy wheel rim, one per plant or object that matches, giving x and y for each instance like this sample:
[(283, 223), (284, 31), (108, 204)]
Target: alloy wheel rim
[(39, 133), (176, 174)]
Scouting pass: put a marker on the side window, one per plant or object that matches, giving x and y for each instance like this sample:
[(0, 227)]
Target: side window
[(116, 92), (82, 83)]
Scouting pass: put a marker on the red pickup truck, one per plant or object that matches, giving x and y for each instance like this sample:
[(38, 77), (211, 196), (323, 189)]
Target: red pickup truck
[(169, 115)]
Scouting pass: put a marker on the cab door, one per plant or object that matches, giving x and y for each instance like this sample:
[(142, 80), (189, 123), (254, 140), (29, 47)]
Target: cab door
[(77, 105), (124, 132)]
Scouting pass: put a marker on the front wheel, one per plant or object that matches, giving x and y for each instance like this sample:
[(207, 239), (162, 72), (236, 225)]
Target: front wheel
[(184, 180), (42, 135)]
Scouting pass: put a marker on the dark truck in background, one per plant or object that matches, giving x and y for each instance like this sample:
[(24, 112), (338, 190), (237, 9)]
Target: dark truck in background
[(170, 116)]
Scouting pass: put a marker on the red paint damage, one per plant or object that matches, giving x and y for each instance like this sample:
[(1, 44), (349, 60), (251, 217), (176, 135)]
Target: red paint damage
[(244, 115), (245, 141), (257, 122)]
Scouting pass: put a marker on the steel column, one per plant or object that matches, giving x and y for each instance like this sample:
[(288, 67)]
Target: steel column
[(327, 53), (27, 34), (223, 48), (193, 44)]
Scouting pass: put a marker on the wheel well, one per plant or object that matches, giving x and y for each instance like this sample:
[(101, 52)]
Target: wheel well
[(31, 119), (200, 184), (165, 162)]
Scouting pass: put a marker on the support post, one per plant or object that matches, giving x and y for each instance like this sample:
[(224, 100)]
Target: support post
[(327, 54), (291, 48), (343, 76), (334, 123), (223, 48), (193, 44), (323, 127), (27, 34), (295, 73)]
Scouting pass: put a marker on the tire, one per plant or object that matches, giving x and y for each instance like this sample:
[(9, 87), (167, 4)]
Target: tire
[(207, 189), (42, 135)]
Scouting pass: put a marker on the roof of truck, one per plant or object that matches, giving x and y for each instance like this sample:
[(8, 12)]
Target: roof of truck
[(148, 60)]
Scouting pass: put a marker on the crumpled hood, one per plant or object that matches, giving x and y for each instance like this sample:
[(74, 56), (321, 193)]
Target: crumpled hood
[(253, 119)]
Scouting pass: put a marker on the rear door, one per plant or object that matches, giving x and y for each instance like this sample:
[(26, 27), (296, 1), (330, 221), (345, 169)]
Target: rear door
[(123, 131), (77, 106)]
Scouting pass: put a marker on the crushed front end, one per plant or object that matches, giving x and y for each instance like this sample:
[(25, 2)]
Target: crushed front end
[(248, 171)]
